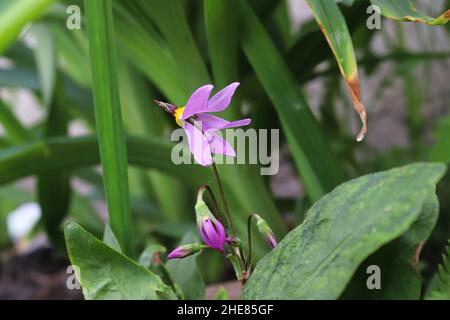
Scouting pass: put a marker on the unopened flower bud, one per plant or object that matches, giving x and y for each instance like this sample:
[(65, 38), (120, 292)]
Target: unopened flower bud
[(265, 231), (186, 250), (211, 230)]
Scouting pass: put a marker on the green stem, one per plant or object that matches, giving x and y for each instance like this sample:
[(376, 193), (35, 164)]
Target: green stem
[(239, 252), (224, 202), (249, 242)]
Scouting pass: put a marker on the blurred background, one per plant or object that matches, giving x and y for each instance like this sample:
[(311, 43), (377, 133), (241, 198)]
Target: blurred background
[(46, 177)]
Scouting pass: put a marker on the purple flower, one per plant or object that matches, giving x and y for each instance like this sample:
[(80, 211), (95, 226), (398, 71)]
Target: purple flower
[(185, 251), (211, 230), (213, 233), (200, 127)]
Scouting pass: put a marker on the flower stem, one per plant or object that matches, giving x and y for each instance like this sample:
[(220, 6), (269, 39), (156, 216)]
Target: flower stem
[(236, 251), (224, 202)]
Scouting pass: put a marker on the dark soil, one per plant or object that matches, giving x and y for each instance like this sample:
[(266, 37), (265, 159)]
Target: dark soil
[(40, 274)]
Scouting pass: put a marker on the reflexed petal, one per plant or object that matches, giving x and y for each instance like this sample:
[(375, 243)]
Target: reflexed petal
[(222, 99), (210, 122), (220, 145), (198, 144), (198, 102)]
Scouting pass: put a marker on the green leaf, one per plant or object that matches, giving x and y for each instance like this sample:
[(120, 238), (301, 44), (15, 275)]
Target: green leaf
[(441, 149), (334, 27), (54, 190), (318, 258), (99, 20), (107, 274), (45, 56), (70, 153), (149, 55), (15, 132), (142, 118), (15, 15), (179, 38), (405, 10), (398, 262), (315, 162), (184, 272), (439, 288), (109, 238)]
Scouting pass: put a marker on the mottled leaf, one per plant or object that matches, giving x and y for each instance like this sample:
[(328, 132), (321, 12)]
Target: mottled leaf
[(405, 10), (318, 258)]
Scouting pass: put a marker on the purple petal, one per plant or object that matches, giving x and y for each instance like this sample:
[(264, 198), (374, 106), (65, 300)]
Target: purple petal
[(198, 144), (210, 122), (219, 145), (213, 234), (272, 241), (222, 99), (198, 102)]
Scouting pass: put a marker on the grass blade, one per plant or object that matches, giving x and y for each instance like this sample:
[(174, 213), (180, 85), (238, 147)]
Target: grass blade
[(70, 153), (15, 132), (54, 191), (314, 160), (334, 27), (99, 20)]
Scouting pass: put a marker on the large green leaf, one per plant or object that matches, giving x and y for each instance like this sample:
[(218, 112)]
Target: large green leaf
[(398, 262), (318, 258), (102, 45), (317, 165), (405, 10), (107, 274)]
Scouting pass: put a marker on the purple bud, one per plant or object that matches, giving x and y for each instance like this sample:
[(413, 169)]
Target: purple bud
[(272, 241), (266, 232), (185, 251), (213, 233)]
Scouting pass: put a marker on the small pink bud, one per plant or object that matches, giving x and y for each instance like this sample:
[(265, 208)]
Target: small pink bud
[(185, 251)]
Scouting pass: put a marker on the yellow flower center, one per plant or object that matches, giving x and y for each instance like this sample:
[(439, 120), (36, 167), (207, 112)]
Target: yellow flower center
[(177, 114)]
